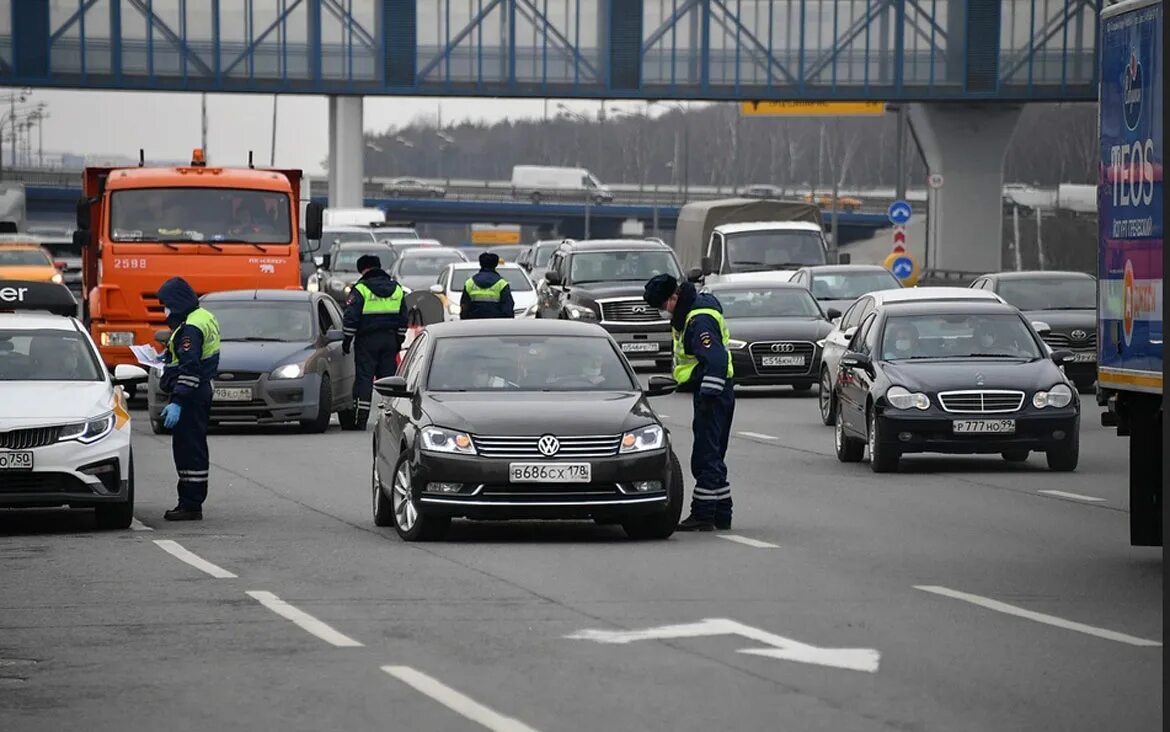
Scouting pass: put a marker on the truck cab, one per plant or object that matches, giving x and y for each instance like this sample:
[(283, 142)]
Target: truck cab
[(762, 250)]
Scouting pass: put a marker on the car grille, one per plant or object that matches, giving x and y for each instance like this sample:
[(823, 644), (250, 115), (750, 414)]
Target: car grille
[(29, 438), (584, 446), (981, 402), (631, 310), (799, 348), (41, 483), (1059, 341), (236, 377)]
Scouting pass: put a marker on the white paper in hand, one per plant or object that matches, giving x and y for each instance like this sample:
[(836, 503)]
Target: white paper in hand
[(148, 357)]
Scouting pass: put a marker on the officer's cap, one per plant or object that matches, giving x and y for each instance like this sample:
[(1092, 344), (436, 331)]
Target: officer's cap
[(659, 289), (368, 261), (489, 260)]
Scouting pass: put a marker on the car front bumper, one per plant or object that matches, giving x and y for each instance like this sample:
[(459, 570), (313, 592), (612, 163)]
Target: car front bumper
[(273, 400), (73, 474), (650, 342), (749, 370), (911, 433)]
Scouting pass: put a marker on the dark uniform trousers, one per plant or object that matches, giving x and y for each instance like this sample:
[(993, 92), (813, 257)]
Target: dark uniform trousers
[(375, 355), (711, 425), (189, 447)]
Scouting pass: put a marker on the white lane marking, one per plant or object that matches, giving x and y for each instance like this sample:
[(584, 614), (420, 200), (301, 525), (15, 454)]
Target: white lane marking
[(303, 619), (181, 553), (1074, 496), (136, 525), (1003, 607), (456, 701), (755, 543), (757, 435)]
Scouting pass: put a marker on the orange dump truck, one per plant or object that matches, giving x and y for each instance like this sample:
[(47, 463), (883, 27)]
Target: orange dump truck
[(218, 228)]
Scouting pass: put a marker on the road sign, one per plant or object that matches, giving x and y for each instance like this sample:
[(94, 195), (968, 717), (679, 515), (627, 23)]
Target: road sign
[(935, 180), (779, 647), (902, 265), (812, 109), (899, 235), (899, 213)]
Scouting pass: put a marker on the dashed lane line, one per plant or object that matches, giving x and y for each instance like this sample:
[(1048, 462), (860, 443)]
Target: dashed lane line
[(757, 435), (1073, 496), (181, 553), (136, 525), (302, 619), (747, 541), (1003, 607), (456, 701)]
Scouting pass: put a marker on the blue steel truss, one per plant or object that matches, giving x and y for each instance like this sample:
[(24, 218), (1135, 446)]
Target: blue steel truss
[(872, 50)]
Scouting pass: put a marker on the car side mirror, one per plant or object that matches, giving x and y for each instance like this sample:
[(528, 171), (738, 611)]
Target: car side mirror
[(695, 275), (314, 220), (849, 333), (437, 289), (1060, 358), (81, 238), (392, 386), (333, 335), (833, 314), (706, 266), (844, 258), (661, 386), (163, 336), (1041, 327), (83, 221), (553, 277), (855, 360), (125, 373)]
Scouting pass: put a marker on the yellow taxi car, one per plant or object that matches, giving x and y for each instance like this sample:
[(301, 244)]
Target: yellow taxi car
[(825, 200), (28, 262)]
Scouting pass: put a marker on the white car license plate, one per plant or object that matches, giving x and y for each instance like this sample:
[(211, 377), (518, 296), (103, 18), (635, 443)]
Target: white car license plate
[(550, 472), (782, 360), (1085, 357), (639, 347), (985, 426), (16, 460), (232, 394)]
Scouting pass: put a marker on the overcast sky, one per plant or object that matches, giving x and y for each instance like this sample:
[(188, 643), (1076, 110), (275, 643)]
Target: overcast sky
[(167, 125)]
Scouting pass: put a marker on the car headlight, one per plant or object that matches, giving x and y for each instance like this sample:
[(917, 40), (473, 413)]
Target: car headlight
[(89, 431), (437, 439), (57, 279), (1058, 396), (650, 437), (902, 398), (118, 338), (288, 371), (577, 312), (736, 345)]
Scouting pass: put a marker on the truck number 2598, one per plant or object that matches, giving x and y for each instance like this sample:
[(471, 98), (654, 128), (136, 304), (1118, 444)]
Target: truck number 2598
[(129, 264)]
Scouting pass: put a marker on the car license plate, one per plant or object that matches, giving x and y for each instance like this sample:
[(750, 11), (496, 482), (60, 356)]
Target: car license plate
[(1085, 357), (550, 472), (16, 460), (230, 394), (782, 360), (637, 347), (985, 426)]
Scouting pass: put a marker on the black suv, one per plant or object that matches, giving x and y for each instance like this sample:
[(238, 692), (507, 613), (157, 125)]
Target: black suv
[(601, 281)]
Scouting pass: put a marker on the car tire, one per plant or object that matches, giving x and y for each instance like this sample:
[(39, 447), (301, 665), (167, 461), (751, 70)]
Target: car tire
[(410, 523), (320, 423), (849, 449), (827, 399), (118, 515), (882, 458), (382, 508), (802, 386), (1064, 459), (662, 525), (1016, 456)]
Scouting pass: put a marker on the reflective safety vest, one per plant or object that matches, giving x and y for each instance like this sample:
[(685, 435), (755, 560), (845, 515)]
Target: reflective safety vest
[(374, 305), (485, 294), (684, 363), (208, 326)]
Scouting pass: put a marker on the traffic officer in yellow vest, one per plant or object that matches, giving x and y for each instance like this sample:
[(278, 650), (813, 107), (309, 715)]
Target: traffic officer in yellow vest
[(702, 364), (192, 361), (486, 294), (376, 316)]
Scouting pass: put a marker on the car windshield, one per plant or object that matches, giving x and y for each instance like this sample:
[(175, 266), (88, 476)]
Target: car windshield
[(330, 239), (957, 335), (429, 263), (631, 266), (225, 215), (778, 249), (1050, 293), (527, 363), (47, 355), (543, 254), (23, 258), (764, 302), (251, 320), (516, 279), (392, 232), (850, 285), (346, 259)]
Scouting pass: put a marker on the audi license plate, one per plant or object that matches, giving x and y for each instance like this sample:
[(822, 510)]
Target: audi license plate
[(16, 460), (638, 347), (1085, 357), (782, 360), (232, 394), (550, 472), (985, 426)]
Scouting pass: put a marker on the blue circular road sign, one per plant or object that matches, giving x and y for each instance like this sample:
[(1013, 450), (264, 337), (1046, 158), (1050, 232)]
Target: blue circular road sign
[(898, 213), (902, 267)]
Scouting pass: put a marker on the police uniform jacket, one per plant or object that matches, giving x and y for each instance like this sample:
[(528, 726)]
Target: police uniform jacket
[(484, 297), (359, 324), (192, 359), (702, 338)]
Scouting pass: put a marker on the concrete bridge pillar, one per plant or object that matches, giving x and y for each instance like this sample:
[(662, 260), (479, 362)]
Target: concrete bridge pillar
[(346, 152), (965, 145)]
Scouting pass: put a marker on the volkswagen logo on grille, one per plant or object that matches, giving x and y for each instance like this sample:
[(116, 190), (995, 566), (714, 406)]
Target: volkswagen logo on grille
[(548, 445), (783, 347), (1079, 335)]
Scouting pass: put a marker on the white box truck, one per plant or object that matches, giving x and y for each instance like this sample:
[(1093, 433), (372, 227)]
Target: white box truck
[(542, 182)]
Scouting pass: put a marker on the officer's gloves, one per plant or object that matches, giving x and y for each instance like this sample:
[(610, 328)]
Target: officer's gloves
[(170, 415), (345, 345)]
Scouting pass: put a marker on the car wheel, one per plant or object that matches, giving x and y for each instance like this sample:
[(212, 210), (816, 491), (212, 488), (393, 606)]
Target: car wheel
[(826, 398), (849, 449), (383, 510), (324, 400), (409, 522), (802, 386), (1015, 456), (662, 525), (1064, 459), (118, 515), (882, 458)]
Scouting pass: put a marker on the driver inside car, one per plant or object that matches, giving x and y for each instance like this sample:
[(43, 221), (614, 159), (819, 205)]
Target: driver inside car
[(901, 342)]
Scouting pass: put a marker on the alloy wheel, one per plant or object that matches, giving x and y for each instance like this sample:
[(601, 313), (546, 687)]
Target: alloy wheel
[(405, 514), (826, 395)]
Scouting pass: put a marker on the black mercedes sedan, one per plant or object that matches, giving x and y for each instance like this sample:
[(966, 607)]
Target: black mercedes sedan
[(521, 419), (953, 377), (774, 330)]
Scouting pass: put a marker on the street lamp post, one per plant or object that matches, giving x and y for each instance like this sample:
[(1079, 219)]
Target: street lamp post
[(13, 97), (686, 161)]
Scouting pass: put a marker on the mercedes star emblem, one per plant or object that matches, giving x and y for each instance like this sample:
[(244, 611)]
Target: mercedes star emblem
[(978, 379), (783, 347), (548, 445)]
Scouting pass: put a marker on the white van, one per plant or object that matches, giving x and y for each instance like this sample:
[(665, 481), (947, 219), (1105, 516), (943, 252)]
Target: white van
[(540, 182), (354, 216)]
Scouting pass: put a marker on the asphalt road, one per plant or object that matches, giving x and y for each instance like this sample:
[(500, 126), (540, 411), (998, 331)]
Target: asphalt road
[(111, 631)]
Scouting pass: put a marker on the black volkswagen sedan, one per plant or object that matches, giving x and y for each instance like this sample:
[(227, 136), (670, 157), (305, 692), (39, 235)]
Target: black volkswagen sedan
[(953, 377), (774, 332), (532, 419)]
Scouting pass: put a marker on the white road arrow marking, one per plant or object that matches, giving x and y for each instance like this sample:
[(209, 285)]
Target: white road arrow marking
[(854, 659)]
